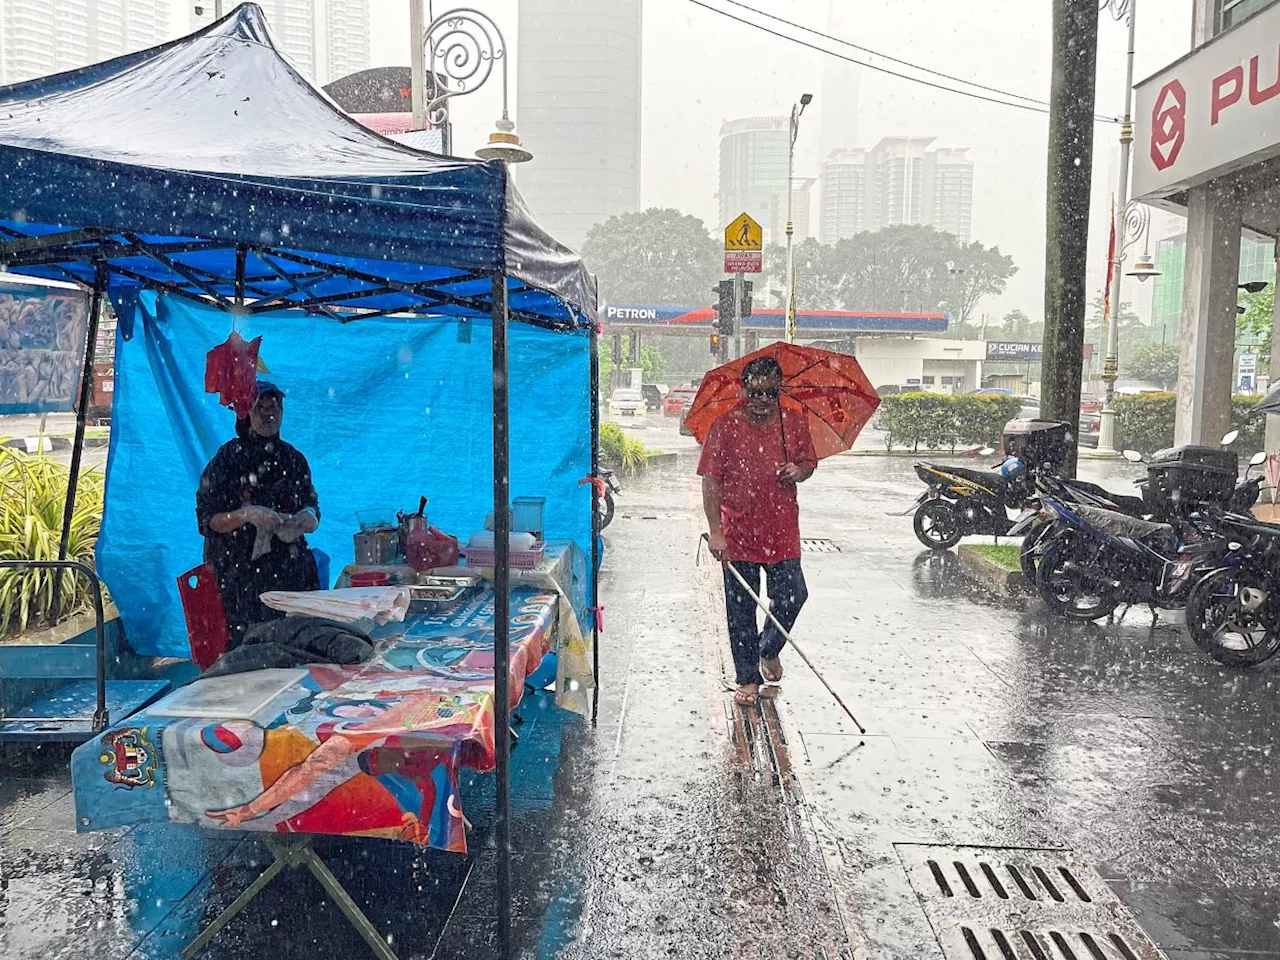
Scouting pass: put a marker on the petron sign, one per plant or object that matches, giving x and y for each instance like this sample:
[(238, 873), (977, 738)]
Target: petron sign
[(1215, 111)]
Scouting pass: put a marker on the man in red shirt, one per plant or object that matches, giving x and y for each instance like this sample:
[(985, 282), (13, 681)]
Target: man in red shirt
[(753, 458)]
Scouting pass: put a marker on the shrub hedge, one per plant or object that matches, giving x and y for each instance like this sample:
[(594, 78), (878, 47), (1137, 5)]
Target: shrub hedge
[(1145, 422), (936, 421)]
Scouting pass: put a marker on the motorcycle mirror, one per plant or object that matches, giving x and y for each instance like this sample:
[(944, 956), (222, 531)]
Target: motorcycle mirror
[(1258, 459), (1133, 456), (1230, 437)]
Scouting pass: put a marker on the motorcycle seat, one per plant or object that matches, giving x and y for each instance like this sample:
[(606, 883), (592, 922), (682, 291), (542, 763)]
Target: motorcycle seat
[(993, 480), (1123, 525)]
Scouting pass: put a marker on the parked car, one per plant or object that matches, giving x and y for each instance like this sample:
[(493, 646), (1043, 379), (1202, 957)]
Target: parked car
[(653, 395), (627, 403), (678, 400), (1089, 403), (1030, 408), (1090, 425), (992, 392)]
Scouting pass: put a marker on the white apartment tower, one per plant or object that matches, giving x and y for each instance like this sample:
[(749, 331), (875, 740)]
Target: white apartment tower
[(898, 181), (39, 37)]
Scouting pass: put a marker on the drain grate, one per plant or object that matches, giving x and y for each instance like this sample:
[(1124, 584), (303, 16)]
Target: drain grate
[(818, 545), (1000, 903)]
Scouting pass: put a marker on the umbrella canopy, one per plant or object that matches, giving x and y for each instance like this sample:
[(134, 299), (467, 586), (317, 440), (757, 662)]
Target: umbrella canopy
[(830, 389), (1270, 403)]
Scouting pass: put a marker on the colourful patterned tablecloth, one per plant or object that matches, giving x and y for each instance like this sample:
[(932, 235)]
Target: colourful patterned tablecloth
[(370, 750)]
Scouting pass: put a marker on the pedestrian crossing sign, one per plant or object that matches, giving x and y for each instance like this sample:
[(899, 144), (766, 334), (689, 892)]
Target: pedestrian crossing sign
[(743, 234), (743, 243)]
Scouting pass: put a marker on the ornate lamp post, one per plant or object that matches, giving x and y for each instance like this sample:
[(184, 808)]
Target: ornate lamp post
[(459, 50), (1132, 222)]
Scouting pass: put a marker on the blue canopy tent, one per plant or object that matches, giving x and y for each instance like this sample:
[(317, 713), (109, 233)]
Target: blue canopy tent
[(210, 169)]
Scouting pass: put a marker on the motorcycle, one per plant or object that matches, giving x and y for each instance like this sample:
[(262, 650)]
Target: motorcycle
[(1035, 525), (959, 501), (1098, 559), (607, 484), (1181, 484), (1233, 612)]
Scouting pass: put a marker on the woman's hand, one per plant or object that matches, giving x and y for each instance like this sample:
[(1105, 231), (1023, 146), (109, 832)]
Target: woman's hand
[(264, 518)]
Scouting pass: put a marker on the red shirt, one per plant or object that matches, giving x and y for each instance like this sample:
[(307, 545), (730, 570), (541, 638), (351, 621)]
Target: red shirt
[(758, 511)]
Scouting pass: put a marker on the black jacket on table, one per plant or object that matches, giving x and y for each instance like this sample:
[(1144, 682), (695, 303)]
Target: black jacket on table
[(265, 472)]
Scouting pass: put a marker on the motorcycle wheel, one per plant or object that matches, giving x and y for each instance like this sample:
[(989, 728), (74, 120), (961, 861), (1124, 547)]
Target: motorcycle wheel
[(937, 525), (1221, 626), (1064, 587), (606, 509), (1027, 557)]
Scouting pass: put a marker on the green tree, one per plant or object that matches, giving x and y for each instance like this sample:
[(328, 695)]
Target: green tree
[(1156, 363), (657, 256), (1133, 332), (1017, 326), (902, 269), (1256, 321), (652, 362)]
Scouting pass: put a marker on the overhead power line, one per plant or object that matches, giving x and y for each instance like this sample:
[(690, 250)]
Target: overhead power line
[(1029, 103)]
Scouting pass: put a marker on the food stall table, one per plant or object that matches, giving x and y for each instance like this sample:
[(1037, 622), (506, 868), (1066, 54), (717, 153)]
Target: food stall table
[(370, 750)]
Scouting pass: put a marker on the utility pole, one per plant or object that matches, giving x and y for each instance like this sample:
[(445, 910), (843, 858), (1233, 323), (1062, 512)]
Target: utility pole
[(1070, 169)]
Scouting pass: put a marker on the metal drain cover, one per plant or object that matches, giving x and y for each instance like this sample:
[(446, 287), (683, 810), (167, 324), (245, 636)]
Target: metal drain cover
[(818, 545), (1000, 903)]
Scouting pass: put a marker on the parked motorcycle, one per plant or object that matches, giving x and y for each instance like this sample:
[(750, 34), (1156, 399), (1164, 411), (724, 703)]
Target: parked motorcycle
[(607, 484), (1091, 560), (1098, 559), (960, 501), (1233, 611)]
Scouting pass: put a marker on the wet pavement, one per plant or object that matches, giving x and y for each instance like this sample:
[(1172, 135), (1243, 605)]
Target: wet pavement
[(681, 827)]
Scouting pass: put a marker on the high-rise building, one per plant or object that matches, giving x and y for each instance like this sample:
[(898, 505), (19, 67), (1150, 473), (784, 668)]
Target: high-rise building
[(949, 178), (38, 37), (324, 39), (844, 195), (753, 177), (578, 111), (347, 37), (898, 181), (1257, 262)]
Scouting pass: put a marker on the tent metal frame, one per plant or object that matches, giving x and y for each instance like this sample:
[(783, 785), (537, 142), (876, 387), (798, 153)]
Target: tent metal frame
[(98, 247)]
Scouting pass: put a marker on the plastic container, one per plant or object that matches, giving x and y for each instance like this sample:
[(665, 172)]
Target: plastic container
[(526, 515), (370, 578), (1190, 475), (1039, 444), (518, 559)]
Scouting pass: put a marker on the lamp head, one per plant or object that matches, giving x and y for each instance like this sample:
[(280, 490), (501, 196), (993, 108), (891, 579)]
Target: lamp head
[(1254, 286), (806, 99), (504, 144), (1144, 269)]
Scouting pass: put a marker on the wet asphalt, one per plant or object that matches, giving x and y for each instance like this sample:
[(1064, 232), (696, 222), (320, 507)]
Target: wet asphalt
[(680, 826)]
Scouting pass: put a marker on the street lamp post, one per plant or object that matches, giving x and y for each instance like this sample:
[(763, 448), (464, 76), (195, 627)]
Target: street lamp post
[(458, 51), (1125, 219), (793, 131)]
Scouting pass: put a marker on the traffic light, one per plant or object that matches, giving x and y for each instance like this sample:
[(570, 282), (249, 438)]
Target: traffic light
[(724, 306), (746, 299), (715, 344)]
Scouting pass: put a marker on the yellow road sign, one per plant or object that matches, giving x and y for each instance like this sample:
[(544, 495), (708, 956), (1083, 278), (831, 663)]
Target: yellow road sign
[(743, 234)]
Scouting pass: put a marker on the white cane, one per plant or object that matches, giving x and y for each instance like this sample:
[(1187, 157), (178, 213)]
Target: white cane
[(785, 635)]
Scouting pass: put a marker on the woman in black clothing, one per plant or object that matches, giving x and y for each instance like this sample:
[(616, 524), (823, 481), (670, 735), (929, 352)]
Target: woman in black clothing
[(255, 505)]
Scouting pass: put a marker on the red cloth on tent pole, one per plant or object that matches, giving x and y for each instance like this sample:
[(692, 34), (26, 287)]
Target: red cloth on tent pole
[(231, 371)]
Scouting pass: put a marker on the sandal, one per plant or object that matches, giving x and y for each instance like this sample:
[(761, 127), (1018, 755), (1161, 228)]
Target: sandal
[(773, 674), (745, 698)]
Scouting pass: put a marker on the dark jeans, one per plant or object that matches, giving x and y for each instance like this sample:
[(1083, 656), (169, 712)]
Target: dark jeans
[(787, 594)]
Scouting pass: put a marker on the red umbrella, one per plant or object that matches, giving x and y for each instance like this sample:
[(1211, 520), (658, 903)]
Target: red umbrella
[(829, 388)]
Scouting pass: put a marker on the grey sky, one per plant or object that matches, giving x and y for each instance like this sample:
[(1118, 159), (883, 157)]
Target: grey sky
[(694, 78)]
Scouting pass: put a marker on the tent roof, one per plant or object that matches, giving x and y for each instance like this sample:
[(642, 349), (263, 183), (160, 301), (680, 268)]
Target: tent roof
[(209, 167)]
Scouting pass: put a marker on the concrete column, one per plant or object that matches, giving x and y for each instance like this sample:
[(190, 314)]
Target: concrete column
[(1208, 332), (1273, 421)]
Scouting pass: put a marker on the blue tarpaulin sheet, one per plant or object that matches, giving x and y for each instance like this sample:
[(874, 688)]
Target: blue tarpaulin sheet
[(385, 410)]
